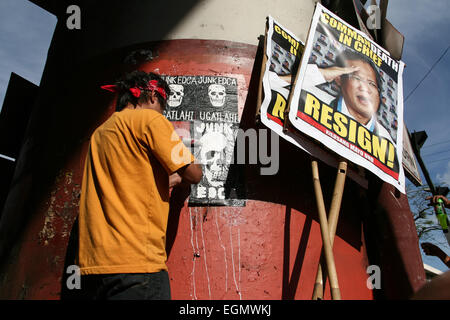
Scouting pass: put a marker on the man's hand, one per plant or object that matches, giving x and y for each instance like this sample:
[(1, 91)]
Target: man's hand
[(434, 200), (332, 73), (174, 180), (287, 78)]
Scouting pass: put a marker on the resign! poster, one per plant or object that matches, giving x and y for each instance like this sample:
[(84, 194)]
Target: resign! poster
[(348, 95)]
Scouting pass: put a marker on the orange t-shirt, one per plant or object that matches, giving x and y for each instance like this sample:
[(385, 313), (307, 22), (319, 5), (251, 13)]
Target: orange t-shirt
[(124, 202)]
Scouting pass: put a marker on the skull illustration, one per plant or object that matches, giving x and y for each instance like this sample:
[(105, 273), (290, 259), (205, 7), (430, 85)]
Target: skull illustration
[(176, 95), (212, 155), (216, 93)]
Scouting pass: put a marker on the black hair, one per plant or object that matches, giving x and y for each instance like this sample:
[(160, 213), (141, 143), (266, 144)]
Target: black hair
[(347, 54), (139, 79)]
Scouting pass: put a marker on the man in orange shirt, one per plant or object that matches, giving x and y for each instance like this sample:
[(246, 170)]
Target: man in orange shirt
[(133, 159)]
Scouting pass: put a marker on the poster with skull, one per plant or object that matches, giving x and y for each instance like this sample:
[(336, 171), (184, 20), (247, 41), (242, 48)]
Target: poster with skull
[(215, 153), (176, 95), (208, 106), (217, 95)]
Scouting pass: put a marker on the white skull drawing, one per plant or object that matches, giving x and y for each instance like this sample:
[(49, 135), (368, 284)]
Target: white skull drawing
[(176, 95), (212, 155), (217, 94)]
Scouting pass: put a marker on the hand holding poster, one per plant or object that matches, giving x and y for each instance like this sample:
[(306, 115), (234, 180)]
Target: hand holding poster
[(348, 95)]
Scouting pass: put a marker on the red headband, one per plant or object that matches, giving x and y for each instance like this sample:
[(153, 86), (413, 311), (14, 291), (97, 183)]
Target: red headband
[(136, 91)]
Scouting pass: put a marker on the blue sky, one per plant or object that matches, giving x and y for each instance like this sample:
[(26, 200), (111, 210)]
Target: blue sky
[(26, 31), (426, 28), (25, 34)]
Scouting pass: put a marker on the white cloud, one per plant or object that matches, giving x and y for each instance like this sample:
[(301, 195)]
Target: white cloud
[(445, 177)]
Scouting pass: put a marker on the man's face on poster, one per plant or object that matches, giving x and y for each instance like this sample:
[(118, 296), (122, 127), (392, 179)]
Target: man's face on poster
[(360, 91)]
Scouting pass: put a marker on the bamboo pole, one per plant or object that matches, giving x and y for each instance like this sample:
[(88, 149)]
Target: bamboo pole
[(332, 224), (328, 251)]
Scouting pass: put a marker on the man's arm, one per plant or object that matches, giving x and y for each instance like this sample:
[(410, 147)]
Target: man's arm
[(434, 200), (170, 151), (436, 289), (432, 250), (332, 73), (189, 174)]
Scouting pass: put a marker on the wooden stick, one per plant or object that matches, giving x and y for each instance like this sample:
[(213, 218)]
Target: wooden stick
[(328, 250), (263, 69), (332, 224)]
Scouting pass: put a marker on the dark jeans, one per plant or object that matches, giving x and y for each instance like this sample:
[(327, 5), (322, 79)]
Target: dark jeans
[(126, 286)]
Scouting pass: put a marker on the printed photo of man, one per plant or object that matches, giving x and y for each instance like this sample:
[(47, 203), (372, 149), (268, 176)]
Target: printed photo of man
[(359, 85)]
